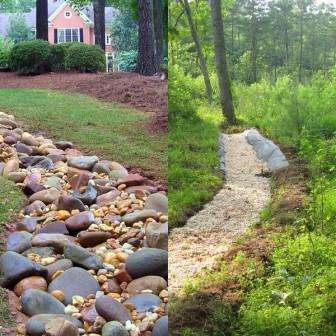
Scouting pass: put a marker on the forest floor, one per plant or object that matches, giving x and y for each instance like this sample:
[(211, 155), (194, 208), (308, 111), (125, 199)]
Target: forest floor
[(237, 205), (147, 94)]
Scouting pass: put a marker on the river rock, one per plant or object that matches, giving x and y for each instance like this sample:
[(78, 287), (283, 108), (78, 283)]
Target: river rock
[(91, 239), (78, 178), (157, 235), (61, 327), (11, 166), (82, 257), (35, 302), (113, 286), (37, 162), (22, 148), (33, 282), (74, 281), (36, 325), (56, 240), (150, 282), (142, 188), (83, 162), (47, 196), (32, 188), (114, 328), (161, 327), (27, 224), (157, 202), (88, 197), (148, 261), (101, 167), (59, 265), (139, 215), (67, 202), (55, 227), (23, 268), (17, 177), (53, 182), (80, 222), (144, 302), (108, 198), (44, 252), (89, 314), (10, 140), (19, 241), (37, 208), (29, 139), (8, 122), (112, 310), (64, 145), (131, 180)]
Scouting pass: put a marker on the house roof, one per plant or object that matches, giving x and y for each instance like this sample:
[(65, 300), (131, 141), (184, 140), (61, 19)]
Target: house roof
[(53, 5)]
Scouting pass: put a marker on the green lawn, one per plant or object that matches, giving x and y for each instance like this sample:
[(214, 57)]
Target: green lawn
[(11, 200), (194, 175), (112, 131)]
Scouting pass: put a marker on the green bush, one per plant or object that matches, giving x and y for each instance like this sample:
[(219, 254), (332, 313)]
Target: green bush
[(85, 58), (31, 57), (58, 55), (5, 48), (127, 60)]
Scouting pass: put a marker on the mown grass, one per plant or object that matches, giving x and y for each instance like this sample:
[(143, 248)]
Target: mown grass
[(11, 200), (112, 131), (194, 174)]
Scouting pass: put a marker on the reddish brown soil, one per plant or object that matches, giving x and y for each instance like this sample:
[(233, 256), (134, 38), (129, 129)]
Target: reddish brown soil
[(148, 94)]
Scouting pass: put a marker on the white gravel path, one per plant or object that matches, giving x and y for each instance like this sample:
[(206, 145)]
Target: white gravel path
[(207, 234)]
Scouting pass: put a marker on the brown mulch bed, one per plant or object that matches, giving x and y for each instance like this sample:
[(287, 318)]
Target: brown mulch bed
[(148, 94)]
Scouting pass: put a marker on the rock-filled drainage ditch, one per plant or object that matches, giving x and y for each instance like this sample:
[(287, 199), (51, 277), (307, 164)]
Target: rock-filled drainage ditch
[(88, 253)]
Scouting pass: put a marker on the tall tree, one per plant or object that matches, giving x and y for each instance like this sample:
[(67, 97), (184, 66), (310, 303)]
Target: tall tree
[(42, 19), (158, 27), (99, 22), (147, 64), (200, 54), (220, 55)]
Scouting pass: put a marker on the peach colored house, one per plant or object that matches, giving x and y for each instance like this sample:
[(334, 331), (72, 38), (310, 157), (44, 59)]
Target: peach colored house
[(67, 24)]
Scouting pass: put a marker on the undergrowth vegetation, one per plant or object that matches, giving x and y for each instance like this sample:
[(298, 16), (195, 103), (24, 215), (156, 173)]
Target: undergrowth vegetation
[(280, 277), (194, 174)]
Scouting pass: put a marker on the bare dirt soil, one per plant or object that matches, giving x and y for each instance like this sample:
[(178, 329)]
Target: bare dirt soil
[(148, 94)]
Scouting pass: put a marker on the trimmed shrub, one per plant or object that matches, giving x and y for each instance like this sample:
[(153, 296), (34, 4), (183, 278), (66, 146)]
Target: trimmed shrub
[(58, 55), (31, 57), (127, 60), (85, 58), (5, 48)]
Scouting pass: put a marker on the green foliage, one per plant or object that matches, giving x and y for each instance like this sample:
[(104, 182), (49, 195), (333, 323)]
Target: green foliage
[(5, 48), (19, 30), (31, 57), (58, 55), (127, 60), (85, 58), (16, 6)]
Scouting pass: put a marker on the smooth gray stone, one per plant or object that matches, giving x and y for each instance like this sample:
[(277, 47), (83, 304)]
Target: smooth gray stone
[(75, 281), (112, 310), (145, 302), (82, 257), (36, 325), (161, 327), (35, 302), (19, 241), (114, 328)]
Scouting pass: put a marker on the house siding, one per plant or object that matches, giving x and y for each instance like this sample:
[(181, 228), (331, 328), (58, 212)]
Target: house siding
[(60, 21)]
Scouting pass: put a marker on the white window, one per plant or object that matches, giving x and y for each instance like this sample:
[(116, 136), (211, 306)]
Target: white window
[(68, 35), (108, 40), (67, 15)]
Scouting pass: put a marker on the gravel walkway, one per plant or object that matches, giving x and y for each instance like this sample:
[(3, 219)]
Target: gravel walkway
[(206, 235)]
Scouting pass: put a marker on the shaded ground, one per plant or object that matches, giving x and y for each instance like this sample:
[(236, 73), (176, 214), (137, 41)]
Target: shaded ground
[(207, 235), (115, 132), (148, 94)]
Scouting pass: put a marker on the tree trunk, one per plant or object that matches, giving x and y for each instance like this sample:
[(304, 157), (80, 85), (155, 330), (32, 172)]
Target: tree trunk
[(158, 27), (42, 19), (146, 58), (202, 63), (220, 55), (99, 22), (301, 45)]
